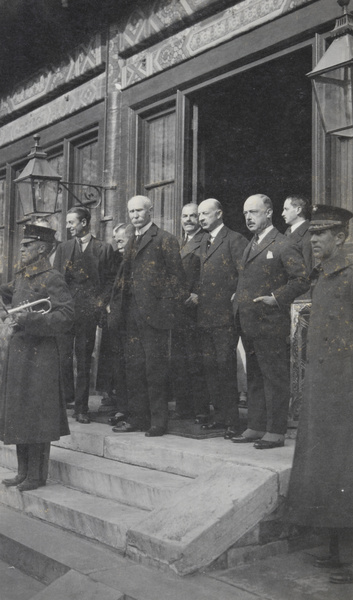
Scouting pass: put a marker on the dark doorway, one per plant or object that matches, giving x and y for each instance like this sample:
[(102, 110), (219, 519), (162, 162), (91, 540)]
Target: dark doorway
[(255, 136)]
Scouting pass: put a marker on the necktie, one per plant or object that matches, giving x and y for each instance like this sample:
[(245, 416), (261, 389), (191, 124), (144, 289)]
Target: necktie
[(288, 231), (209, 241), (80, 244), (255, 242)]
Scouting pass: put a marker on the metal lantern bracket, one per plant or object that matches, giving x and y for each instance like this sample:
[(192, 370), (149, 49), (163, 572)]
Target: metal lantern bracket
[(94, 197)]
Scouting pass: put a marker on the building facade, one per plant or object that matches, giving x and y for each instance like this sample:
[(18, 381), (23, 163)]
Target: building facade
[(179, 100)]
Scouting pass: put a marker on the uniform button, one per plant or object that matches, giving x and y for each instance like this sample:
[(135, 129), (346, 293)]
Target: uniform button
[(331, 316), (337, 295), (321, 360)]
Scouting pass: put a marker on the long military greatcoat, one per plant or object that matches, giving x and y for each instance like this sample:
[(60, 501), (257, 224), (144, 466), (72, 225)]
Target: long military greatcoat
[(31, 404), (321, 484)]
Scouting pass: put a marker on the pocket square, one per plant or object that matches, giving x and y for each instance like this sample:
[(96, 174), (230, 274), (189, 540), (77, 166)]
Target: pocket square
[(269, 254)]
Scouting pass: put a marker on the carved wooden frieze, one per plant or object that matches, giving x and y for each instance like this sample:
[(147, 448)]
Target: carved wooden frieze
[(189, 42), (81, 97)]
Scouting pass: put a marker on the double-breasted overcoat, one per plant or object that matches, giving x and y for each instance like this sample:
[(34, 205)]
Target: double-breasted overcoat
[(31, 404), (321, 484)]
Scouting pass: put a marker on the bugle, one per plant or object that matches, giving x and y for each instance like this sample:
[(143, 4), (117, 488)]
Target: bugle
[(30, 305)]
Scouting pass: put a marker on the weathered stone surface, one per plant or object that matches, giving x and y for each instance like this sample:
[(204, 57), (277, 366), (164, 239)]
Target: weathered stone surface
[(200, 522)]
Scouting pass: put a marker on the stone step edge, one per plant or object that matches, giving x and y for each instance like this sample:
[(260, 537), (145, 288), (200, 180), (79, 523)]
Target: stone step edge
[(92, 522), (66, 469)]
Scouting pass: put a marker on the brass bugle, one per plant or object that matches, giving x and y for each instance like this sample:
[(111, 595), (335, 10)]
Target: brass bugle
[(29, 306)]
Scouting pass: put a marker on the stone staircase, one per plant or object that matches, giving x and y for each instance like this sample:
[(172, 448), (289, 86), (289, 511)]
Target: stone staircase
[(171, 502)]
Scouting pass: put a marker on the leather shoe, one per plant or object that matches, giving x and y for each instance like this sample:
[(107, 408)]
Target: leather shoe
[(343, 576), (328, 562), (230, 434), (117, 418), (124, 427), (83, 418), (30, 484), (14, 481), (265, 445), (214, 425), (155, 431), (243, 439)]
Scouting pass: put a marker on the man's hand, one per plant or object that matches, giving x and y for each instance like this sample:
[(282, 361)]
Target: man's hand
[(193, 299), (269, 300)]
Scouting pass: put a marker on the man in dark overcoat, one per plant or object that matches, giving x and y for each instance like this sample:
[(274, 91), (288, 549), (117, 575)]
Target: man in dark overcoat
[(321, 484), (220, 254), (272, 275), (88, 267), (153, 283), (189, 384), (32, 410)]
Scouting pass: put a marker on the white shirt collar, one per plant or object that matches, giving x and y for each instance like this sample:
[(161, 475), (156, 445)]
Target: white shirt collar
[(143, 229), (264, 233), (215, 231), (296, 225)]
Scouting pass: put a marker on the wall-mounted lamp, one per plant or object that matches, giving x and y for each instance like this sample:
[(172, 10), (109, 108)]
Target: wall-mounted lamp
[(39, 185), (333, 80)]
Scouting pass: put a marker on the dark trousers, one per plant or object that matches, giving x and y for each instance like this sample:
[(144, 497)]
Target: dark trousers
[(219, 346), (146, 355), (81, 342), (267, 365), (187, 373)]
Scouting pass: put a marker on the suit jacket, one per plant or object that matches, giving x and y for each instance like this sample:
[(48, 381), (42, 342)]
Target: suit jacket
[(190, 257), (101, 270), (275, 267), (302, 237), (220, 265), (155, 275)]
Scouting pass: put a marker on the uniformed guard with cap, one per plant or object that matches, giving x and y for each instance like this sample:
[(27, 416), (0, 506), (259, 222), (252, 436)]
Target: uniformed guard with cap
[(32, 410), (321, 484)]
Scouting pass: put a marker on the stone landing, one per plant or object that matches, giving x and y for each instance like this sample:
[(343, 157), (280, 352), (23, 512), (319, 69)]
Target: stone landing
[(173, 502)]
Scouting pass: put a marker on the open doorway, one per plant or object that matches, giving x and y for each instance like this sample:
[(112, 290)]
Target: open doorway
[(254, 136)]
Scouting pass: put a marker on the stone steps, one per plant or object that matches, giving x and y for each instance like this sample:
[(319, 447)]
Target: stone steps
[(171, 502), (74, 567), (96, 518), (128, 484)]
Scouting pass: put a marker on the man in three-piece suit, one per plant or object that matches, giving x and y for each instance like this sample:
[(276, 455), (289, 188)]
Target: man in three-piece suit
[(88, 267), (153, 283), (189, 385), (272, 275), (220, 255), (296, 215)]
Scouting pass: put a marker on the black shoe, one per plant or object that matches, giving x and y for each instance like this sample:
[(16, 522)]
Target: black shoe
[(155, 431), (242, 439), (14, 481), (265, 445), (214, 425), (230, 434), (83, 418), (124, 427), (117, 418), (29, 484)]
